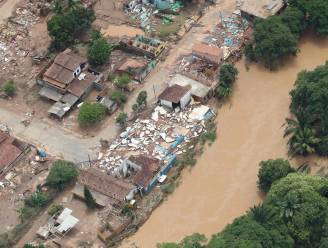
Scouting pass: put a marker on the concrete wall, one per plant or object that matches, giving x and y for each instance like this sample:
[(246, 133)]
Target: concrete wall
[(185, 100), (166, 103)]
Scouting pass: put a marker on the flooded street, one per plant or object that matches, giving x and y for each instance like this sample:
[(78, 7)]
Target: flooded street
[(222, 185)]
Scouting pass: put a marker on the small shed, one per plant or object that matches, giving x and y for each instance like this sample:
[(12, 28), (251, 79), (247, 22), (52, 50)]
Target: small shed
[(109, 104), (175, 96)]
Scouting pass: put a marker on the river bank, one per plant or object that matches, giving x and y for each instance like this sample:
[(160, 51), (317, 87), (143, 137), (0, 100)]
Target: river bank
[(222, 186)]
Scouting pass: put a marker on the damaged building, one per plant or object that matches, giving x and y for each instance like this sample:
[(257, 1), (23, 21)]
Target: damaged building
[(175, 96), (251, 9), (105, 189), (11, 150), (67, 81)]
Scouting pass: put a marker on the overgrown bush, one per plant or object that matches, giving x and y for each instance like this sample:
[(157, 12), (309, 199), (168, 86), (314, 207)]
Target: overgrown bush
[(121, 119), (9, 88), (271, 171), (55, 208), (119, 97), (91, 113), (122, 82), (61, 174), (99, 52)]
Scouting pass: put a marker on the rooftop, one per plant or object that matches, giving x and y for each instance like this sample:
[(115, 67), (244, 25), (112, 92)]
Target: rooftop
[(105, 184), (262, 8), (212, 54), (174, 93), (149, 166), (197, 88), (80, 85)]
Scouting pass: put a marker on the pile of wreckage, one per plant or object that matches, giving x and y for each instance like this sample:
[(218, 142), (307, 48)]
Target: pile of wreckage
[(145, 10), (230, 34), (14, 34), (164, 132)]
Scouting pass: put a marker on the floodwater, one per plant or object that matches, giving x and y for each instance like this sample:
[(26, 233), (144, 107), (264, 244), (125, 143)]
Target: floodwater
[(121, 31), (6, 8), (222, 186)]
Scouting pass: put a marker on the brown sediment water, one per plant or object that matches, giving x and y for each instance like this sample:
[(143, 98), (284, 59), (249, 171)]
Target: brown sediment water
[(121, 31), (222, 186), (6, 8)]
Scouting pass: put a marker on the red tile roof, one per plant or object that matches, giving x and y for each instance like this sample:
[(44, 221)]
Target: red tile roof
[(174, 93), (211, 53), (8, 151)]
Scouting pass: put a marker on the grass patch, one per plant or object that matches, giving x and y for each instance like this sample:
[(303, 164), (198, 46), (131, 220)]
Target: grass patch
[(165, 30)]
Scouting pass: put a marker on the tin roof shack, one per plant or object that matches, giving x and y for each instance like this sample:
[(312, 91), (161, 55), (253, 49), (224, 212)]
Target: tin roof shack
[(261, 8), (175, 96), (143, 46), (136, 68), (141, 170), (67, 81), (11, 150), (104, 188), (208, 53), (58, 225), (199, 92)]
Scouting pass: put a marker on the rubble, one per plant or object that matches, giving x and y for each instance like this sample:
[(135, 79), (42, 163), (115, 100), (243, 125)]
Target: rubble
[(163, 133)]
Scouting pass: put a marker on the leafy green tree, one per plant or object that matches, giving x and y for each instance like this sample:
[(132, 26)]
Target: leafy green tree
[(273, 41), (228, 74), (61, 174), (91, 113), (195, 240), (294, 18), (9, 88), (65, 26), (37, 199), (121, 119), (89, 200), (99, 52), (271, 171), (119, 97), (55, 208)]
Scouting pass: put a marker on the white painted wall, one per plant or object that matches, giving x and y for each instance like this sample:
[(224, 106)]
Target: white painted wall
[(185, 99)]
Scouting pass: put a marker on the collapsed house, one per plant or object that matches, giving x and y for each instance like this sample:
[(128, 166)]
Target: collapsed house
[(141, 170), (105, 189), (212, 54), (67, 81), (199, 91), (58, 225), (261, 8), (144, 46), (11, 150), (175, 96), (137, 69)]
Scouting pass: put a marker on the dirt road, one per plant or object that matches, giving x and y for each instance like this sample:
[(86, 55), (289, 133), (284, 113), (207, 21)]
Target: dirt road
[(222, 185), (6, 8), (71, 146)]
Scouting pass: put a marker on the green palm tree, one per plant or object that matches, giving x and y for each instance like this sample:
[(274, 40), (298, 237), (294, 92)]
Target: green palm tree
[(289, 206), (260, 213), (302, 138)]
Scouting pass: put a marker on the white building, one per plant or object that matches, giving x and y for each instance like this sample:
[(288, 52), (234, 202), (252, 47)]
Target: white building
[(175, 96)]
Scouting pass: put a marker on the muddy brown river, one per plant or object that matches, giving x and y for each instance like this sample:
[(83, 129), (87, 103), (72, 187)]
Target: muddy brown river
[(222, 185)]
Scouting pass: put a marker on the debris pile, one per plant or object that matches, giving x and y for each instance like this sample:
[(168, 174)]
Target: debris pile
[(165, 132), (229, 34), (142, 12), (197, 69)]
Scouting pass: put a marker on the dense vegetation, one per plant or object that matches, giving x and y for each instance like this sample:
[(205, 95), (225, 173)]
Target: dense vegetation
[(294, 214), (276, 37), (308, 129), (91, 113), (66, 25)]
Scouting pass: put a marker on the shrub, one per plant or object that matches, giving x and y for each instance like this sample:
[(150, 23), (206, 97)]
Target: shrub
[(89, 200), (9, 88), (61, 174), (55, 208), (119, 97), (123, 81), (122, 119), (271, 171), (37, 200), (223, 91), (91, 113), (228, 74), (142, 98)]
